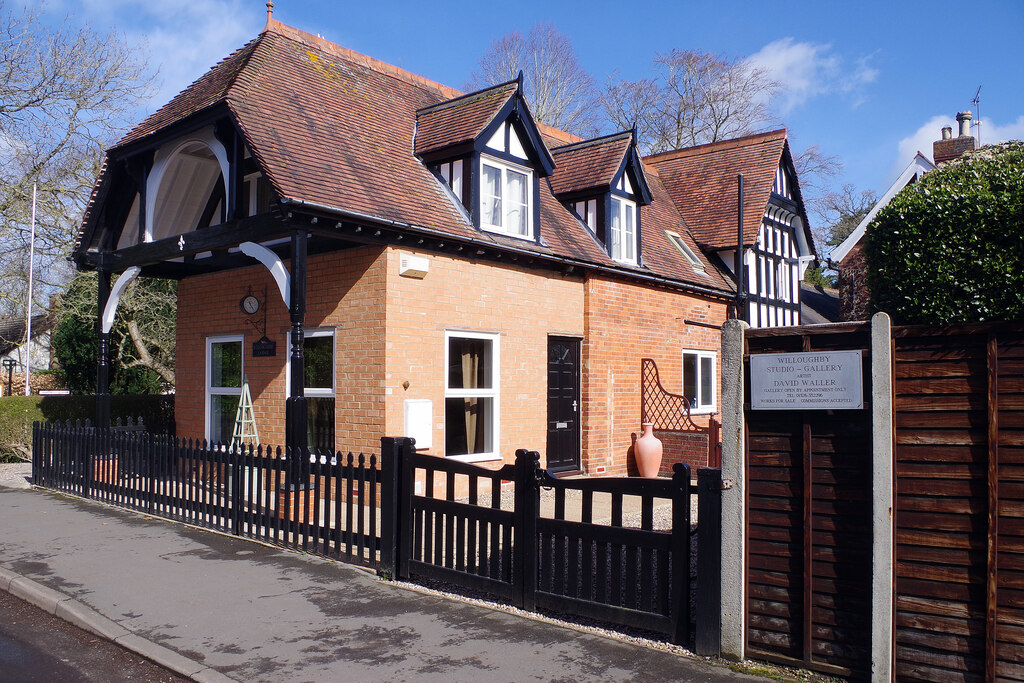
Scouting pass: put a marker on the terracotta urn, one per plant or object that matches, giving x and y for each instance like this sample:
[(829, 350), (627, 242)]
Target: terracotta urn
[(648, 451)]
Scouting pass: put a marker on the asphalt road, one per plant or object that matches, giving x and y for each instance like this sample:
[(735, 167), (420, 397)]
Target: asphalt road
[(36, 646)]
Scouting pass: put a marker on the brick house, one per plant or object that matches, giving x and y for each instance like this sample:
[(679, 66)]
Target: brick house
[(848, 257), (377, 254)]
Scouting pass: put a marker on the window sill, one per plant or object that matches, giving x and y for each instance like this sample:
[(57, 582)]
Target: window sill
[(475, 457)]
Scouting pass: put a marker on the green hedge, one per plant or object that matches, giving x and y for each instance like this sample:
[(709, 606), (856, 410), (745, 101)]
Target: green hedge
[(17, 413), (950, 248)]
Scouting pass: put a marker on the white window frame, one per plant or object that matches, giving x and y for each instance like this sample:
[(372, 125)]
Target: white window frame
[(701, 354), (505, 167), (314, 391), (212, 391), (494, 392), (617, 238)]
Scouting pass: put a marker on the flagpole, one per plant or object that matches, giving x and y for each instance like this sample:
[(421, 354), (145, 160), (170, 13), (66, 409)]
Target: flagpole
[(28, 305)]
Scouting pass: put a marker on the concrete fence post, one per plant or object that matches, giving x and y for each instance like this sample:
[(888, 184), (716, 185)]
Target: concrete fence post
[(734, 543), (882, 505)]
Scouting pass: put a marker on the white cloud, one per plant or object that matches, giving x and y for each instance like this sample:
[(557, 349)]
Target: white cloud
[(931, 130), (808, 70), (182, 40), (995, 133)]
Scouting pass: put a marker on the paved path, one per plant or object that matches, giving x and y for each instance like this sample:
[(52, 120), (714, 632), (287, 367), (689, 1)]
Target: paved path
[(225, 606)]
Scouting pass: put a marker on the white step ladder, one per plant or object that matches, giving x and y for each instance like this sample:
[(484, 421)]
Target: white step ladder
[(245, 432)]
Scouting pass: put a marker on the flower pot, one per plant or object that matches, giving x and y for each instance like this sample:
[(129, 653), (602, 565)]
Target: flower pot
[(648, 451)]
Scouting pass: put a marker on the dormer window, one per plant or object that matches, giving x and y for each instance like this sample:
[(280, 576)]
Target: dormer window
[(451, 173), (505, 198), (486, 147), (623, 230)]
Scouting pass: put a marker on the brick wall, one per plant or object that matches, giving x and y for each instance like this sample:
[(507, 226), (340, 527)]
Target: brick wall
[(390, 342), (854, 293), (626, 322), (345, 291), (522, 305)]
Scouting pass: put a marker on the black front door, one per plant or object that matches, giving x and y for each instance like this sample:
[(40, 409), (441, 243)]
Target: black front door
[(563, 452)]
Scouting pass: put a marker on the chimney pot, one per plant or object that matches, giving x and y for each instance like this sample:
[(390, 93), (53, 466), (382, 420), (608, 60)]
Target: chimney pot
[(947, 132), (964, 119)]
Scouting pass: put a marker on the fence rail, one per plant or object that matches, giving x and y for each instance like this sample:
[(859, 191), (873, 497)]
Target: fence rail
[(412, 515), (326, 507), (619, 570)]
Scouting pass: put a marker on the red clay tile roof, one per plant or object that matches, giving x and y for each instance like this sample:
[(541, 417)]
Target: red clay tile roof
[(461, 119), (331, 127), (702, 182), (588, 165), (659, 254)]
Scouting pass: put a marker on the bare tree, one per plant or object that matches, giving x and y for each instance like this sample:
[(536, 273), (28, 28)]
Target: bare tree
[(65, 93), (693, 98), (842, 211), (560, 92), (816, 171)]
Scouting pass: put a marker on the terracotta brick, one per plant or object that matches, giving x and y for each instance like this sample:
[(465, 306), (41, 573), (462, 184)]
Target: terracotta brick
[(391, 329)]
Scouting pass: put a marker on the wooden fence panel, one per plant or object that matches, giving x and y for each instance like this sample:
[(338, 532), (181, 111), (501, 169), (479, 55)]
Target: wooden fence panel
[(809, 522), (959, 502)]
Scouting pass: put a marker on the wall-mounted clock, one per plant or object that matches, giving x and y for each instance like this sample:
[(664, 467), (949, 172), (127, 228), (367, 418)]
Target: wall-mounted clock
[(249, 304)]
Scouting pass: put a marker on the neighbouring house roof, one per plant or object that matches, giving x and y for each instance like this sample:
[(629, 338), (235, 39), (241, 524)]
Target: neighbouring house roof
[(818, 304), (12, 330), (335, 130), (917, 167), (702, 181)]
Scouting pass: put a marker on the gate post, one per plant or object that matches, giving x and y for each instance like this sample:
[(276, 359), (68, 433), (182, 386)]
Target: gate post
[(391, 467), (734, 541), (707, 640), (681, 520), (527, 509), (882, 504)]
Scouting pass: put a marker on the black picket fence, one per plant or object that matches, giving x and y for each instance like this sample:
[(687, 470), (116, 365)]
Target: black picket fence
[(317, 503), (416, 516)]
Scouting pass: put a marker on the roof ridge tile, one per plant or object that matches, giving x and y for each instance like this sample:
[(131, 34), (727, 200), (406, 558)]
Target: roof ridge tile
[(717, 146), (298, 35)]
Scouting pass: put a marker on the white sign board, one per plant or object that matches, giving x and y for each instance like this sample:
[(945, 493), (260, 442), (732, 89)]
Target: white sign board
[(820, 380)]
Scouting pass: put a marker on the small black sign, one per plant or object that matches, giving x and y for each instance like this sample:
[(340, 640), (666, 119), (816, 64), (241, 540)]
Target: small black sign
[(264, 348)]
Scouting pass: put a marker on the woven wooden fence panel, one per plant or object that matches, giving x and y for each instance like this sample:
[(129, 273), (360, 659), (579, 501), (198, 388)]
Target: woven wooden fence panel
[(959, 422)]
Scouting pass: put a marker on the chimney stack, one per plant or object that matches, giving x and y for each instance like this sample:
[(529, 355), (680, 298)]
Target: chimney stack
[(949, 147), (964, 119)]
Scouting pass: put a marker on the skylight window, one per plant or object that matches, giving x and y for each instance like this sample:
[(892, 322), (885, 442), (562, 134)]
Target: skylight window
[(677, 241)]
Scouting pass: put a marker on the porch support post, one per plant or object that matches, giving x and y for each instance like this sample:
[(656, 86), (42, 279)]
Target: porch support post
[(295, 406), (734, 542), (102, 353)]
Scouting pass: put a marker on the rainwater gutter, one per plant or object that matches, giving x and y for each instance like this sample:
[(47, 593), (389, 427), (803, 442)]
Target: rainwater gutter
[(659, 279)]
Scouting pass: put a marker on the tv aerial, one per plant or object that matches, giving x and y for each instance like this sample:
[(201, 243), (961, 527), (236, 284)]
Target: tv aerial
[(977, 113)]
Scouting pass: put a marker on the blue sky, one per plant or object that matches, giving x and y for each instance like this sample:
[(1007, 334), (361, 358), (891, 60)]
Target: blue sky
[(869, 82)]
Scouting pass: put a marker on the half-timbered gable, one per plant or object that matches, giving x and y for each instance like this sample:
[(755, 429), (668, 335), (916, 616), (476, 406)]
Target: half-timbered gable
[(603, 183), (760, 215)]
